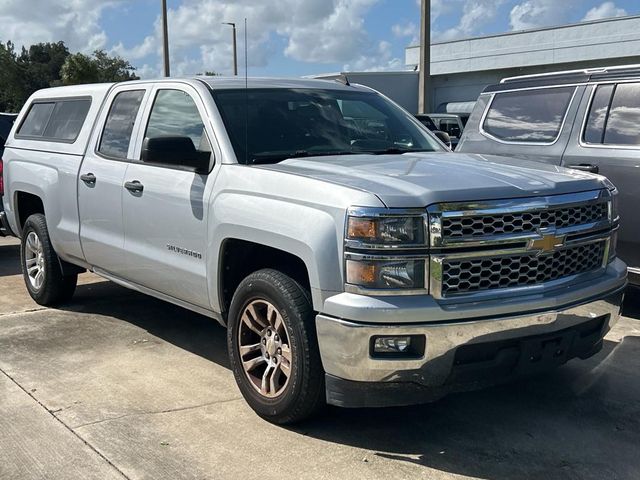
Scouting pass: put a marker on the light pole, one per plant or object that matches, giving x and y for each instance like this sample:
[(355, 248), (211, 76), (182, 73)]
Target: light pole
[(235, 51), (425, 58), (165, 39)]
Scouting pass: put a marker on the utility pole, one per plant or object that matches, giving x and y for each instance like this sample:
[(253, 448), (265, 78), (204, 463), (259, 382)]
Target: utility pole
[(235, 48), (424, 84), (165, 39)]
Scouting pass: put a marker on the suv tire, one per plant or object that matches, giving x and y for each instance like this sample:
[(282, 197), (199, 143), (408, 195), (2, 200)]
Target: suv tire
[(41, 267), (273, 348)]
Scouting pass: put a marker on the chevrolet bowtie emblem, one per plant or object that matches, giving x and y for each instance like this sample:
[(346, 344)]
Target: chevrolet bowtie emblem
[(548, 243)]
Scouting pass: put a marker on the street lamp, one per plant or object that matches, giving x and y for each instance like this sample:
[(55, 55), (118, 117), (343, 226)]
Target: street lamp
[(235, 52), (165, 39)]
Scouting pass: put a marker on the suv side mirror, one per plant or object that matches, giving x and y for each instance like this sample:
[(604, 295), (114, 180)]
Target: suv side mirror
[(443, 137), (176, 152)]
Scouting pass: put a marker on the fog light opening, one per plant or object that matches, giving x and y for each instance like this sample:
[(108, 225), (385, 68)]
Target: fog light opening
[(398, 346)]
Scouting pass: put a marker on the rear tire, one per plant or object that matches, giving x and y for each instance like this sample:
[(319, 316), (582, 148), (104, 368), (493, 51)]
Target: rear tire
[(273, 348), (41, 266)]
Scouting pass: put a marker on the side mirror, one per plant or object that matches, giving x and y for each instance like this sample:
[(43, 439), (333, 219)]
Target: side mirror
[(443, 137), (176, 152)]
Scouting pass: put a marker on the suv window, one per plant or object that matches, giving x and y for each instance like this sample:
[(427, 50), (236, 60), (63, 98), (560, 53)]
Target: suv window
[(623, 124), (55, 121), (594, 130), (534, 116), (175, 114), (116, 135)]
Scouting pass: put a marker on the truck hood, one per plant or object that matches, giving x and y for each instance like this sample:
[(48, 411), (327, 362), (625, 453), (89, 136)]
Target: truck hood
[(420, 179)]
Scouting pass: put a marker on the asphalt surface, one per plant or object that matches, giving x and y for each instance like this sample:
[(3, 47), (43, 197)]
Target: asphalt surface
[(118, 385)]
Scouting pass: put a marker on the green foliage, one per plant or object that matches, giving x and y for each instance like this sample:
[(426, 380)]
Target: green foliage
[(98, 68), (49, 65)]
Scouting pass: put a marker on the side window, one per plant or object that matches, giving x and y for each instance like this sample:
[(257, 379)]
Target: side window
[(533, 116), (623, 124), (594, 129), (54, 121), (175, 114), (116, 134), (450, 126)]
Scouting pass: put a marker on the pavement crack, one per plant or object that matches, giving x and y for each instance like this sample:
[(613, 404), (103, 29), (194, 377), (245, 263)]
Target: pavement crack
[(20, 312), (157, 412), (73, 432)]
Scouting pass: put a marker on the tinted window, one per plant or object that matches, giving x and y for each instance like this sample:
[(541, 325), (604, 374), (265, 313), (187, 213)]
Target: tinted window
[(175, 114), (594, 130), (451, 126), (528, 115), (623, 124), (37, 119), (286, 122), (116, 135), (56, 121)]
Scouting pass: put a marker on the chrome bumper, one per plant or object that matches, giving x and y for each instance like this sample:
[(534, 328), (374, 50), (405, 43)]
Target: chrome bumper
[(345, 345)]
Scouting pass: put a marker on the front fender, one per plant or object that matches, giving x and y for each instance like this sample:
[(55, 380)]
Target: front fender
[(305, 231)]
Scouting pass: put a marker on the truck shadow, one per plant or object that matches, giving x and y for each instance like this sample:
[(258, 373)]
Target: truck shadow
[(580, 421), (10, 260)]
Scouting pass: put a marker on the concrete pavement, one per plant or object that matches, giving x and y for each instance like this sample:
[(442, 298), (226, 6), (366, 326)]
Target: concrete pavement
[(119, 385)]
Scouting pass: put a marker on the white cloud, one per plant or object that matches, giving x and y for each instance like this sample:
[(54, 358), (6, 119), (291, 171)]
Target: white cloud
[(380, 59), (540, 13), (74, 21), (320, 31), (476, 14), (606, 10)]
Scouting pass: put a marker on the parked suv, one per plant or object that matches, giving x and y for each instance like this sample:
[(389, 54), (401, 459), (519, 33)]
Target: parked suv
[(587, 120), (353, 259)]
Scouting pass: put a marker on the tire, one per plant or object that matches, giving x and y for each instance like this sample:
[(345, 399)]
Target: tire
[(52, 288), (290, 397)]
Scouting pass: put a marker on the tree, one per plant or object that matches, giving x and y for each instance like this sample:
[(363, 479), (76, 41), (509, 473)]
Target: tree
[(99, 67)]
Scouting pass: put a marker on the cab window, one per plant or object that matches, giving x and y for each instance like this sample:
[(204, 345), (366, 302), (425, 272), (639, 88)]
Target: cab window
[(118, 128), (175, 114)]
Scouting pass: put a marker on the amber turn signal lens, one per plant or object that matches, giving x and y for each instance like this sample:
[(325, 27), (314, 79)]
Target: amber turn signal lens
[(360, 228), (360, 273)]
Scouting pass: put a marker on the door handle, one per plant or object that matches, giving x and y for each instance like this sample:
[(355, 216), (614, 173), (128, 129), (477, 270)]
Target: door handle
[(585, 167), (88, 178), (134, 187)]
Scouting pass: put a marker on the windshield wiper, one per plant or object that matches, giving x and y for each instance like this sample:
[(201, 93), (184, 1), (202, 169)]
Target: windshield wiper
[(397, 151)]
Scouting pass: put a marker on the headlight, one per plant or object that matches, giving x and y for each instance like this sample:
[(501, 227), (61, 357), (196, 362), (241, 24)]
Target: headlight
[(615, 216), (383, 228), (367, 272)]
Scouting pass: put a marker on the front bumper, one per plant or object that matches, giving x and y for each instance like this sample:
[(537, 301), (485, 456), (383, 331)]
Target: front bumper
[(460, 354)]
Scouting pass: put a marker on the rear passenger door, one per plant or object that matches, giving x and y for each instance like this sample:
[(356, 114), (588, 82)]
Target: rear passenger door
[(101, 180), (165, 220), (607, 137)]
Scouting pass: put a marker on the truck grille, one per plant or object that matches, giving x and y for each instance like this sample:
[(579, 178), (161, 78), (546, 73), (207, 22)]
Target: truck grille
[(497, 246), (480, 225), (470, 275)]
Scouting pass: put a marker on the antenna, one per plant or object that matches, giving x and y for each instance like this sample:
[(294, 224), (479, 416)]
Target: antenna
[(246, 95)]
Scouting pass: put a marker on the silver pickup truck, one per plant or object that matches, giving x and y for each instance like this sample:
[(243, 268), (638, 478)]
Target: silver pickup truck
[(353, 259)]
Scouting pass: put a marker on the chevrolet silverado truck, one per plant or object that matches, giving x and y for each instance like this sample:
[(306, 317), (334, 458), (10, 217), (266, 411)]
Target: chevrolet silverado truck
[(352, 258)]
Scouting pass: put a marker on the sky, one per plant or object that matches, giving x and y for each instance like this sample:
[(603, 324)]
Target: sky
[(285, 37)]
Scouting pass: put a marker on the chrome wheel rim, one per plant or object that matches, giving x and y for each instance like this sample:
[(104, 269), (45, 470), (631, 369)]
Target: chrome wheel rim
[(34, 260), (265, 352)]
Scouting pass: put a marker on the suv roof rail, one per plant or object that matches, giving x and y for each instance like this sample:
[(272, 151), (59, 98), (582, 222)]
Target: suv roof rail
[(585, 72)]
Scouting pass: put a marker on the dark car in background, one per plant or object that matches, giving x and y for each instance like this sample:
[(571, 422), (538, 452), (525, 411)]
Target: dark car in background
[(588, 120), (6, 122), (448, 123)]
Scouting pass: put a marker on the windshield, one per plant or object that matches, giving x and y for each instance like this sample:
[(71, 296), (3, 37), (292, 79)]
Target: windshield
[(271, 125)]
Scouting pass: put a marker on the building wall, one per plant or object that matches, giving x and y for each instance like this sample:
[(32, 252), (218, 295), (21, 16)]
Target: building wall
[(401, 87)]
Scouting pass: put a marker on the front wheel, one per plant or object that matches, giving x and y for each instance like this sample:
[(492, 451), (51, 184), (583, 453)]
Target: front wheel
[(273, 347), (41, 266)]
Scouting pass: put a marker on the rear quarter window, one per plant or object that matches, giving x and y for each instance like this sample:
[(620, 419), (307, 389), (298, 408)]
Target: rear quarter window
[(528, 116), (56, 120)]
